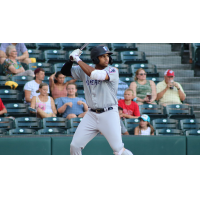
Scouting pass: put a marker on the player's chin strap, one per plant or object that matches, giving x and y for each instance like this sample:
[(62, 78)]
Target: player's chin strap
[(123, 151)]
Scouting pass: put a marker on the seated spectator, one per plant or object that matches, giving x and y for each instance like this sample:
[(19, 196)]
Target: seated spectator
[(31, 87), (72, 106), (144, 128), (44, 104), (122, 86), (12, 67), (168, 91), (20, 48), (142, 86), (130, 108), (3, 109), (123, 128), (57, 85)]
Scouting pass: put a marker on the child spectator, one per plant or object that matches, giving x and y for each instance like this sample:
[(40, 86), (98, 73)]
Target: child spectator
[(130, 108), (72, 106), (144, 128)]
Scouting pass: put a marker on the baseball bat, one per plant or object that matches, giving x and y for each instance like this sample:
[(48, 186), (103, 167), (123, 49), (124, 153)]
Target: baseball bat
[(85, 45)]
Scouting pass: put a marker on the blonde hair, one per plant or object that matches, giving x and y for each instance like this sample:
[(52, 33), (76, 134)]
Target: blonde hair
[(129, 90), (9, 48), (148, 125), (41, 85), (137, 72)]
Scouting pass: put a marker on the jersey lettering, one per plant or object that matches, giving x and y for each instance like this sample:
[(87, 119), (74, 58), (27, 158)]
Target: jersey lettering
[(93, 82)]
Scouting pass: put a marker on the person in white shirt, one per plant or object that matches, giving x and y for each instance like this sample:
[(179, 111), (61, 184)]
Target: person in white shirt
[(144, 128), (31, 87)]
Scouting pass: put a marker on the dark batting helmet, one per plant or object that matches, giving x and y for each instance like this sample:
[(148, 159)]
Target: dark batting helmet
[(99, 51)]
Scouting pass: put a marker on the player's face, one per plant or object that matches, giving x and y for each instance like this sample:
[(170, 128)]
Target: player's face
[(40, 75), (44, 90), (60, 79), (104, 60), (143, 123), (128, 95), (71, 90)]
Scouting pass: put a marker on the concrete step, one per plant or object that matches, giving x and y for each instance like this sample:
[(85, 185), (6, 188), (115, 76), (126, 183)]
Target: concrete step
[(192, 93), (192, 100), (154, 47), (174, 66), (160, 53), (178, 73), (187, 79), (191, 86), (156, 60)]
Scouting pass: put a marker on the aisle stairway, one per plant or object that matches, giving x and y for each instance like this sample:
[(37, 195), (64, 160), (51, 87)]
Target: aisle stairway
[(162, 56)]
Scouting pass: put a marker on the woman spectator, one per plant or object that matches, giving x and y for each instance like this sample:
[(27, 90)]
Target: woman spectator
[(12, 67), (43, 103), (144, 128), (141, 87), (57, 85)]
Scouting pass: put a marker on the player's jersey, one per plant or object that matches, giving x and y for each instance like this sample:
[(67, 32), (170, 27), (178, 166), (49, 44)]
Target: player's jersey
[(98, 94)]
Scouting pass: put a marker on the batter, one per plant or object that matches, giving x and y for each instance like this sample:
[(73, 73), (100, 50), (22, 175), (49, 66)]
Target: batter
[(100, 86)]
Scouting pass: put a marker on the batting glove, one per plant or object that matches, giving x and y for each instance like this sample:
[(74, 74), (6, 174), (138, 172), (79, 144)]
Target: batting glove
[(75, 55)]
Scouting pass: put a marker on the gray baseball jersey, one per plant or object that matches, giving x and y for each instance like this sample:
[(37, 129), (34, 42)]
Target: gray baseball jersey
[(99, 94)]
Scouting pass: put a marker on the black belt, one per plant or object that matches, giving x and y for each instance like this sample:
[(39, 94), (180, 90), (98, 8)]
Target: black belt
[(101, 110)]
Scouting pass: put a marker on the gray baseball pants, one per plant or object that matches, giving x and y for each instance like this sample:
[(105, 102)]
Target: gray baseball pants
[(108, 123)]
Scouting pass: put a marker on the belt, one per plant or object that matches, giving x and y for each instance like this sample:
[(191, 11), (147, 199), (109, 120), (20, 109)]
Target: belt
[(101, 110)]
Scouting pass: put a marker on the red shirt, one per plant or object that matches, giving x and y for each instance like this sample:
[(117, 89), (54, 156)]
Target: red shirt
[(132, 109), (1, 105)]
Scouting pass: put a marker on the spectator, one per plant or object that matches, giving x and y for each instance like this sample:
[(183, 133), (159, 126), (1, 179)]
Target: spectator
[(123, 128), (144, 128), (72, 106), (57, 85), (3, 109), (122, 86), (130, 108), (11, 66), (168, 91), (141, 87), (21, 49), (43, 103), (31, 87)]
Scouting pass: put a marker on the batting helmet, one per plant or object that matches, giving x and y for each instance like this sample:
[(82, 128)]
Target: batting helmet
[(98, 51)]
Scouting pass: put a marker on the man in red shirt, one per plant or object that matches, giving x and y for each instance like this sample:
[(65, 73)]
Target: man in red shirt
[(130, 108), (2, 108)]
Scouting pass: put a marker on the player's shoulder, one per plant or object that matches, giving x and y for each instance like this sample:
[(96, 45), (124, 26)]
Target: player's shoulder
[(111, 69)]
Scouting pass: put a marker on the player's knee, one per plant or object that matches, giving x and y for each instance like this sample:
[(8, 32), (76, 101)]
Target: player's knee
[(123, 151)]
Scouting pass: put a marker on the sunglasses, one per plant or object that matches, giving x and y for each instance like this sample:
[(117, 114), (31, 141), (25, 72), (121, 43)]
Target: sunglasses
[(142, 74)]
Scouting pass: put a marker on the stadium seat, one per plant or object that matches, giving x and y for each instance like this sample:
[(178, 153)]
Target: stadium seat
[(71, 131), (123, 47), (79, 85), (165, 123), (21, 131), (28, 122), (51, 131), (6, 123), (11, 96), (30, 45), (195, 132), (168, 131), (55, 122), (71, 46), (17, 110), (150, 69), (116, 57), (187, 124), (55, 56), (58, 66), (154, 111), (21, 81), (48, 67), (81, 93), (3, 80), (3, 131), (130, 125), (46, 80), (38, 54), (47, 46), (74, 122), (1, 70), (179, 111), (127, 80), (126, 72), (132, 57), (156, 80)]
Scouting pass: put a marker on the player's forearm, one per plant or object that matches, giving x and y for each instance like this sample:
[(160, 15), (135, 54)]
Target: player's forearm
[(86, 68)]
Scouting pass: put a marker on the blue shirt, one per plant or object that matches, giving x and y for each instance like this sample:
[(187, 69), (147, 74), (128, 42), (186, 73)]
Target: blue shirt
[(20, 48), (76, 109)]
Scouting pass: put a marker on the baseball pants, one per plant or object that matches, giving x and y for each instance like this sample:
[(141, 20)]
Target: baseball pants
[(108, 123)]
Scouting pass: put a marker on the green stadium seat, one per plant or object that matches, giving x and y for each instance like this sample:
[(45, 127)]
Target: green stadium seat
[(30, 45), (71, 131), (187, 124), (58, 66), (71, 46), (123, 47), (21, 81), (132, 57), (195, 132), (165, 123), (3, 131), (48, 67), (17, 110), (38, 54), (51, 131), (156, 80), (168, 131), (28, 122), (6, 123), (74, 122), (79, 85), (11, 96), (56, 56), (131, 124), (46, 80), (54, 122), (47, 46), (81, 93), (21, 131)]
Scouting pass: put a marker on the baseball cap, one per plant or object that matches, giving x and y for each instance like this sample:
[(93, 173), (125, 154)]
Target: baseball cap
[(146, 118), (38, 70), (169, 72)]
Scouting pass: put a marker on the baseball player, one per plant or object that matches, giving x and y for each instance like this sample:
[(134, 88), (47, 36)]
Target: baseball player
[(100, 86)]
